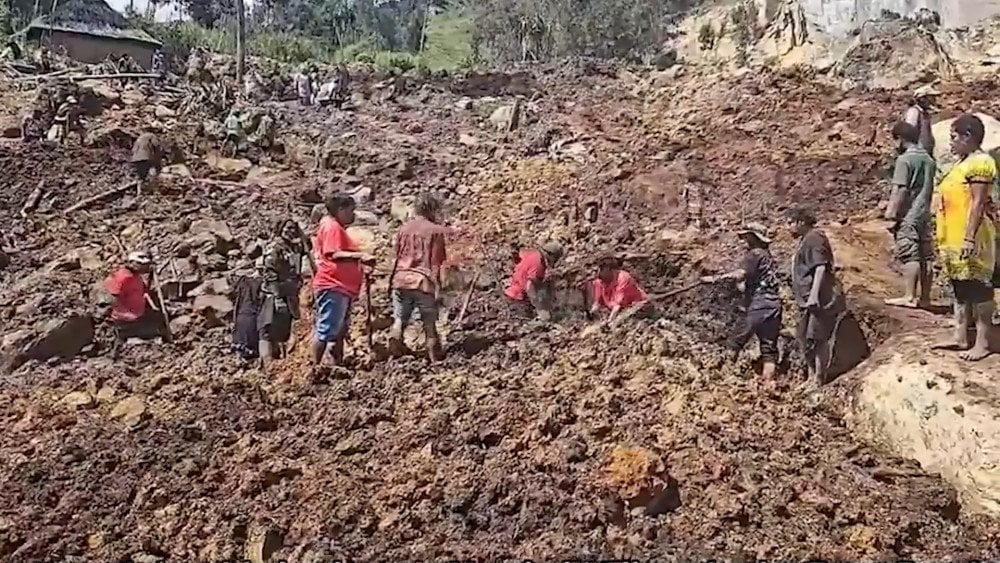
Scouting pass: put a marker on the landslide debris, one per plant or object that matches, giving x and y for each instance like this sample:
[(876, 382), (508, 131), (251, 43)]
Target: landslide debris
[(528, 441)]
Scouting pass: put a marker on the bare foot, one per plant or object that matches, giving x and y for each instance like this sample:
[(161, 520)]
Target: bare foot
[(950, 345), (975, 354), (902, 302)]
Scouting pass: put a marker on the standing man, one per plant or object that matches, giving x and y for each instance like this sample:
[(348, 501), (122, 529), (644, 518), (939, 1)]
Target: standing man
[(818, 295), (127, 285), (759, 275), (282, 276), (528, 288), (235, 135), (909, 210), (147, 156), (919, 115), (615, 289), (338, 279), (66, 120), (416, 276), (303, 85)]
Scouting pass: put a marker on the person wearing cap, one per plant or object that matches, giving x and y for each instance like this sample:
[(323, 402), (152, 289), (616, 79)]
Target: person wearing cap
[(338, 278), (614, 289), (528, 288), (759, 275), (129, 313), (818, 295), (416, 278), (909, 214), (919, 115), (147, 155), (66, 120), (235, 135)]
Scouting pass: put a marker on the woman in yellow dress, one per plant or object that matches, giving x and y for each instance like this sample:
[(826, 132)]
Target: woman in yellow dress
[(965, 236)]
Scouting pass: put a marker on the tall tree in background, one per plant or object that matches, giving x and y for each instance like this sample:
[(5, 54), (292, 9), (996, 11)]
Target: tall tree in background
[(241, 55)]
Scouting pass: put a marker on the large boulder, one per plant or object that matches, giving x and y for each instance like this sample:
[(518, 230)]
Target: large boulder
[(55, 338), (937, 409)]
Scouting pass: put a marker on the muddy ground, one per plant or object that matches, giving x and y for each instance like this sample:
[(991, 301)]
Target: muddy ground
[(528, 441)]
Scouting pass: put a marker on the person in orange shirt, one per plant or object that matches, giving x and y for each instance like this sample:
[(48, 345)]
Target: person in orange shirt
[(615, 289), (338, 278), (416, 275), (528, 289)]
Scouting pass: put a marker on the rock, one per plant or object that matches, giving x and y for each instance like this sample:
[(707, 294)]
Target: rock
[(467, 140), (666, 77), (130, 410), (929, 406), (465, 104), (109, 97), (61, 338), (78, 399), (365, 218), (350, 180), (367, 169), (108, 136), (254, 250), (176, 171), (364, 238), (207, 232), (134, 98), (308, 194), (90, 259), (132, 231), (506, 118), (404, 169), (12, 348), (163, 112), (263, 544), (363, 195), (217, 286), (11, 131), (213, 308), (105, 394), (180, 325), (401, 208), (67, 262), (665, 60), (228, 166)]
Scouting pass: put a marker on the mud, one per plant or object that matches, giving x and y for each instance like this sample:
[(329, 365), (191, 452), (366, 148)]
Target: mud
[(528, 440)]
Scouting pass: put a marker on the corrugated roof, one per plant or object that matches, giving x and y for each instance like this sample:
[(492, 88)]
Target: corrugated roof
[(91, 17)]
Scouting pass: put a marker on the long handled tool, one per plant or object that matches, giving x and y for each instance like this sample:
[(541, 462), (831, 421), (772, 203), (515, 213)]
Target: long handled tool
[(678, 291), (368, 311), (468, 296)]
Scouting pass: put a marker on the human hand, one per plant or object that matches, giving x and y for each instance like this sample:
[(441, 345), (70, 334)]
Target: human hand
[(968, 248), (544, 315), (367, 259)]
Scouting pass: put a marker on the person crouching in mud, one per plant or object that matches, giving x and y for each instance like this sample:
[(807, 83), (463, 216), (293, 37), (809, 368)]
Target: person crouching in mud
[(758, 273), (528, 289), (282, 277), (818, 295), (615, 289), (338, 278)]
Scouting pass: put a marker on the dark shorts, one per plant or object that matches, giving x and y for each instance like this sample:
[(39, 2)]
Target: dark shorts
[(405, 301), (818, 326), (273, 325), (972, 292), (333, 314), (141, 168), (765, 324), (913, 243)]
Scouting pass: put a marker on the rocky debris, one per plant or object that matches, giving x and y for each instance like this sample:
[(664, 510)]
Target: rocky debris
[(401, 209), (362, 195), (211, 235), (213, 308), (55, 338), (229, 168), (162, 112), (507, 118), (78, 399), (130, 410), (263, 544)]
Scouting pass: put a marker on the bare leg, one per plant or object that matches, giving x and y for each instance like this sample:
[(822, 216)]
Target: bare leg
[(338, 350), (984, 324), (960, 338), (318, 351), (433, 342), (767, 370), (911, 276), (821, 362), (396, 346), (265, 351)]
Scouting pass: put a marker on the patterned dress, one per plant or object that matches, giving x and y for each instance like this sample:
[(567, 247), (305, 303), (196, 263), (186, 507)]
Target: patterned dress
[(952, 217)]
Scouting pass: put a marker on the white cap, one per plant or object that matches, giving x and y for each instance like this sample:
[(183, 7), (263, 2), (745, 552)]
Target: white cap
[(140, 257)]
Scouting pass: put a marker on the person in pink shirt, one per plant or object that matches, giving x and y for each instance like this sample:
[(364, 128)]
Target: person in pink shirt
[(528, 288), (615, 289), (132, 312)]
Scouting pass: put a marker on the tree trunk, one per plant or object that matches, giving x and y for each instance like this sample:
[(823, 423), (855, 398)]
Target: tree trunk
[(241, 56)]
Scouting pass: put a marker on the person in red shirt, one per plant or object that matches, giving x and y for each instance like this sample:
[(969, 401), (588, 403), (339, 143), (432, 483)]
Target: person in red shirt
[(129, 314), (416, 275), (338, 278), (615, 289), (528, 289)]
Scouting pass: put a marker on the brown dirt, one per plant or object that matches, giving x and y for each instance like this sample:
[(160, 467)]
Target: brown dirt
[(528, 441)]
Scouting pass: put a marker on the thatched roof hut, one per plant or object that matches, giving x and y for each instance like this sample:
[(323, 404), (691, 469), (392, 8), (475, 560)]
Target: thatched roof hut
[(90, 31)]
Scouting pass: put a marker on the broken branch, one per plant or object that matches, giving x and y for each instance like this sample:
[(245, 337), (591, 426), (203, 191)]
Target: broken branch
[(105, 194)]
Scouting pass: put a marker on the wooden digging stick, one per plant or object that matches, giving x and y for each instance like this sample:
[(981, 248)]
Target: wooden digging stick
[(468, 297), (368, 312), (163, 305)]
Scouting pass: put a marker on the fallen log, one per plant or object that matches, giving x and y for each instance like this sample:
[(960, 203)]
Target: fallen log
[(32, 202), (114, 76), (105, 194)]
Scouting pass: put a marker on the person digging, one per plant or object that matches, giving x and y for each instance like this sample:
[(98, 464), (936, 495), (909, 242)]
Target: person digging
[(528, 290), (147, 157), (758, 272), (613, 290), (416, 279), (133, 313), (909, 214)]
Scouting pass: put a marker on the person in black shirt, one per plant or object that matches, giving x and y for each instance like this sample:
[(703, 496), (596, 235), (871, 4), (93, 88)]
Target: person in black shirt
[(763, 304)]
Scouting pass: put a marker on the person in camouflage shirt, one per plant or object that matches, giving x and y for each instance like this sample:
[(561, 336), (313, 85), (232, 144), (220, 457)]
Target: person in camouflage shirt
[(282, 277)]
